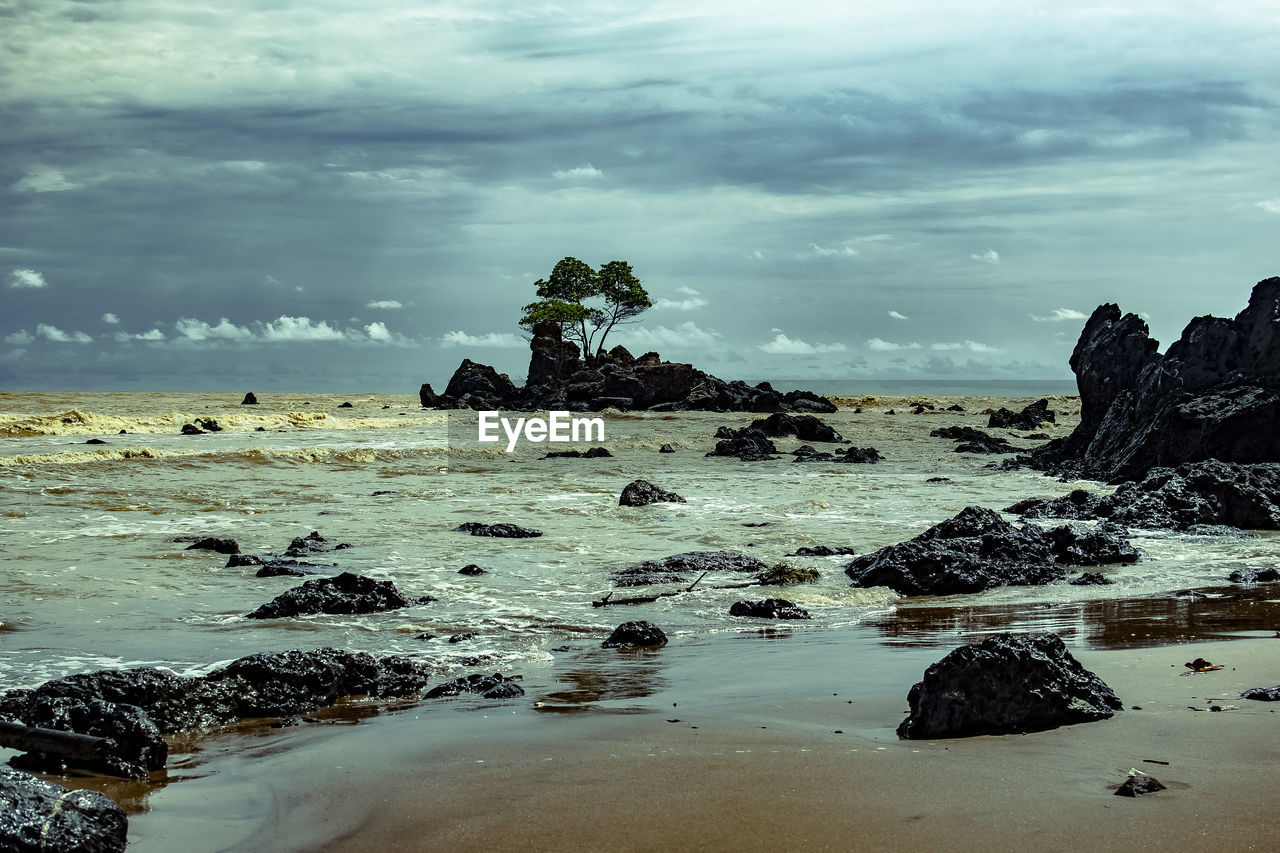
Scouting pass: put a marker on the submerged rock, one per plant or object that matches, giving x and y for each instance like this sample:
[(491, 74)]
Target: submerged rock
[(974, 440), (589, 453), (346, 593), (1028, 419), (499, 531), (1090, 579), (1262, 694), (312, 543), (978, 550), (666, 448), (856, 455), (823, 551), (769, 608), (221, 546), (38, 816), (1138, 784), (682, 568), (643, 493), (1006, 684), (472, 570), (633, 635), (1254, 576)]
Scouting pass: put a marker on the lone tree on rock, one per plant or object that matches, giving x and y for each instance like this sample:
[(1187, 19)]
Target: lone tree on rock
[(585, 304)]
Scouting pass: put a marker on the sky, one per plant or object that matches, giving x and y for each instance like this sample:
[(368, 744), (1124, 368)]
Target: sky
[(322, 195)]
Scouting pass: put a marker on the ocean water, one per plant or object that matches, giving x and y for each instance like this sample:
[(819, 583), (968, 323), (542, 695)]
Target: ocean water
[(95, 572)]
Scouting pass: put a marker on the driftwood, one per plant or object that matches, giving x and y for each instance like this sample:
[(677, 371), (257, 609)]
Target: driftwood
[(52, 742), (646, 599)]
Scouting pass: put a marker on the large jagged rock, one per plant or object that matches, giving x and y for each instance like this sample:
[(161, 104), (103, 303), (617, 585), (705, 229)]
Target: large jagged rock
[(551, 357), (684, 568), (803, 427), (1006, 684), (643, 493), (1214, 394), (478, 386), (1193, 495), (346, 593), (978, 550), (38, 816)]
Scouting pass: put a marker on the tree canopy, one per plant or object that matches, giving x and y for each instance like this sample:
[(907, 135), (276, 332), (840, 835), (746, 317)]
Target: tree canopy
[(586, 304)]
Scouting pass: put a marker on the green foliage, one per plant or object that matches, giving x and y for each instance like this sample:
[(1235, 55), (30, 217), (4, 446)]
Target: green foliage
[(586, 304), (782, 574)]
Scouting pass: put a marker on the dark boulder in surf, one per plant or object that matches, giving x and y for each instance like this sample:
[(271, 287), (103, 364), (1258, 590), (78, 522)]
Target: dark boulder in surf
[(635, 635), (1006, 684), (345, 594), (498, 531), (221, 546), (643, 493), (134, 747), (1028, 419), (748, 444), (683, 568), (769, 608)]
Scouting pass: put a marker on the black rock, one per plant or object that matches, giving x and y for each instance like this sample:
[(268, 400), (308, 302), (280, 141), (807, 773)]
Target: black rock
[(769, 608), (1262, 694), (938, 480), (1254, 576), (463, 637), (95, 441), (1214, 394), (1005, 684), (589, 453), (974, 440), (683, 568), (500, 531), (237, 560), (632, 635), (803, 427), (345, 406), (643, 493), (823, 551), (249, 400), (1028, 419), (38, 816), (427, 397), (1139, 784), (285, 568), (666, 448), (346, 593), (978, 550), (136, 746), (283, 683), (1090, 579), (472, 570), (955, 408), (191, 429), (494, 686), (748, 444), (479, 385), (312, 543), (208, 424), (222, 546)]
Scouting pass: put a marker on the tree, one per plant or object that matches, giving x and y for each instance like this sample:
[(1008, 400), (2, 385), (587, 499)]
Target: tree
[(586, 304)]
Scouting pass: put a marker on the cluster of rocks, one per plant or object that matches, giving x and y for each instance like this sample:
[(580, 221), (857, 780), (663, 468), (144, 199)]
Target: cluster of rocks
[(978, 550), (754, 442), (857, 455), (559, 379), (1196, 497), (973, 440), (273, 565), (683, 568), (201, 426), (1214, 394)]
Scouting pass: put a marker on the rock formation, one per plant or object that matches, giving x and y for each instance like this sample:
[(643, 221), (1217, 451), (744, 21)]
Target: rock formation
[(643, 493), (36, 815)]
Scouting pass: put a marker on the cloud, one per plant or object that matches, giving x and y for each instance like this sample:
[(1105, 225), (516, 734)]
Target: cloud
[(895, 315), (585, 172), (293, 329), (990, 256), (1059, 315), (783, 345), (383, 304), (816, 251), (110, 319), (53, 333), (378, 332), (44, 179), (657, 337), (126, 337), (971, 346), (693, 300), (1271, 205), (492, 339), (27, 278), (880, 345), (19, 338), (199, 330)]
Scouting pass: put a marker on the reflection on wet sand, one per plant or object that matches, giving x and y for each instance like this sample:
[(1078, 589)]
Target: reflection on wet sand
[(604, 677), (1209, 614)]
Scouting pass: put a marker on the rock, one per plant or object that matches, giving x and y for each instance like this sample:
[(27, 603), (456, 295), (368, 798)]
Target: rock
[(472, 570), (1254, 576), (1183, 498), (1006, 684), (494, 686), (285, 568), (955, 408), (589, 453), (136, 746), (684, 568), (1028, 419), (312, 543), (249, 400), (1262, 694), (222, 546), (427, 397), (846, 454), (978, 550), (346, 593), (95, 441), (769, 608), (551, 357), (37, 816), (748, 444), (1138, 784), (479, 385), (939, 480), (974, 440), (823, 551), (1214, 394), (803, 427), (1090, 579), (499, 531), (345, 406), (643, 493), (208, 424), (237, 560), (634, 635), (666, 448), (191, 429), (464, 637)]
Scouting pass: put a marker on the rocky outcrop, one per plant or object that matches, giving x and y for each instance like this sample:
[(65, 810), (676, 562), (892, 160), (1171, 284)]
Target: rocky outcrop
[(135, 746), (635, 635), (748, 444), (684, 568), (1006, 684), (769, 608), (1184, 498), (1028, 419), (345, 594), (559, 379), (249, 399), (1214, 394), (643, 493), (498, 531), (38, 816), (803, 427), (973, 440), (978, 550), (221, 546)]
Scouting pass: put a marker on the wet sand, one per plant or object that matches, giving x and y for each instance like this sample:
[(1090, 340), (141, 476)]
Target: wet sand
[(591, 760)]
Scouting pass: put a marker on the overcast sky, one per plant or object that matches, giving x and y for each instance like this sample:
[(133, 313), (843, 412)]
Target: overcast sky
[(311, 195)]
